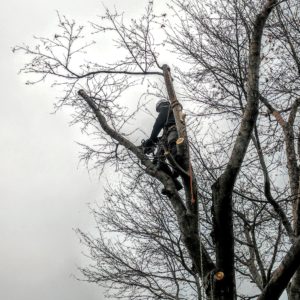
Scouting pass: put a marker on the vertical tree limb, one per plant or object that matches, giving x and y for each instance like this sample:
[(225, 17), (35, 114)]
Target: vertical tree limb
[(222, 189), (282, 275), (267, 189), (188, 223)]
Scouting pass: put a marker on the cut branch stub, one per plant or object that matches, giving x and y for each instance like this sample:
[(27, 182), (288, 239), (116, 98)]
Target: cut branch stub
[(178, 114), (182, 141)]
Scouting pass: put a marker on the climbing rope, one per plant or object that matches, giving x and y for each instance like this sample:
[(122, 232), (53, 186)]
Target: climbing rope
[(193, 200), (202, 289)]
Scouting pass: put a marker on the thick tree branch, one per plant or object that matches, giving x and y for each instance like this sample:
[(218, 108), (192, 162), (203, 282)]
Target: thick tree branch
[(282, 275), (188, 223), (190, 183), (290, 148), (223, 187), (201, 259)]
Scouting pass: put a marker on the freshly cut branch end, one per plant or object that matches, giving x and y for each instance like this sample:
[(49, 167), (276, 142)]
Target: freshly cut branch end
[(219, 276), (180, 141)]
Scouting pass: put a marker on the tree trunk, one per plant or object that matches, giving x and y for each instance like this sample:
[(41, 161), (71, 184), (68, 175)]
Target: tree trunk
[(294, 287), (223, 187), (224, 240)]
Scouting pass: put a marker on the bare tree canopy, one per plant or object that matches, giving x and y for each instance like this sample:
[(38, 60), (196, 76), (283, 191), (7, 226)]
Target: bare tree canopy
[(233, 231)]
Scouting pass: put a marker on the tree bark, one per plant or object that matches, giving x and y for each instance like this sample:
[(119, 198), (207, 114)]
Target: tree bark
[(189, 181), (294, 287), (282, 275), (222, 189), (177, 110), (293, 172), (190, 227), (188, 223)]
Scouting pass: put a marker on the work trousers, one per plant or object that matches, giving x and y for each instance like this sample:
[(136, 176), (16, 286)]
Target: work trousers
[(167, 142)]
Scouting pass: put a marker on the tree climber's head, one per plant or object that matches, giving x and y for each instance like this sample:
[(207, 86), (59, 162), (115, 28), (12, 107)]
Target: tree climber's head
[(162, 104)]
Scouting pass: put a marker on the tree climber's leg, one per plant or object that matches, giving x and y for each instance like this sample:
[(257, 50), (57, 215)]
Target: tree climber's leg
[(160, 162)]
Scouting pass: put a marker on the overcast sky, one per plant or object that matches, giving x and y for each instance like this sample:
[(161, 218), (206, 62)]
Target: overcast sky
[(43, 191)]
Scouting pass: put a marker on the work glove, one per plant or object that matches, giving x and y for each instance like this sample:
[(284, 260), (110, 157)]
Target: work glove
[(148, 146)]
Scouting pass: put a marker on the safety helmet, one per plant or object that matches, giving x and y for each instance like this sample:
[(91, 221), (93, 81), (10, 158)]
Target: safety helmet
[(162, 103)]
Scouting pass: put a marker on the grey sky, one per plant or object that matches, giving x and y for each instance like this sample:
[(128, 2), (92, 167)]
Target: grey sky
[(43, 192)]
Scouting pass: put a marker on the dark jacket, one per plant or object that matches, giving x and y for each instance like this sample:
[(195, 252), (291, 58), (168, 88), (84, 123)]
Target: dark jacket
[(164, 118)]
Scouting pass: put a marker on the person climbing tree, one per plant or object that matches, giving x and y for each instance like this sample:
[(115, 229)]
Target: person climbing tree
[(165, 121), (232, 82)]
